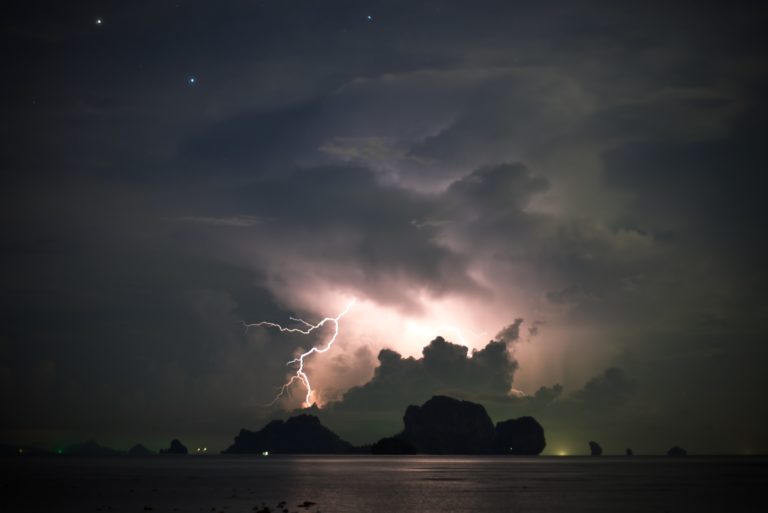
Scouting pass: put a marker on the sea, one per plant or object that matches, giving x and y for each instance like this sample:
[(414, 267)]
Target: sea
[(370, 484)]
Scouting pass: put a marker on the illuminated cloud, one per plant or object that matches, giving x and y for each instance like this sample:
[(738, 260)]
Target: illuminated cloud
[(445, 368)]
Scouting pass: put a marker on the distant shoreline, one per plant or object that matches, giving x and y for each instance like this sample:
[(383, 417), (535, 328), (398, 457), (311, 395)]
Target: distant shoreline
[(505, 457)]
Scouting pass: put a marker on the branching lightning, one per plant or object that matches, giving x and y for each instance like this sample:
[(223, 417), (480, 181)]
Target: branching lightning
[(300, 375)]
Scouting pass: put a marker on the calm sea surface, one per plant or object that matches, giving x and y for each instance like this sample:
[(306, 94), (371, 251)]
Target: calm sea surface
[(383, 484)]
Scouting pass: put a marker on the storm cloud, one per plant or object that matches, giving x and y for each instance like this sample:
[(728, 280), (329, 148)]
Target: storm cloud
[(595, 169)]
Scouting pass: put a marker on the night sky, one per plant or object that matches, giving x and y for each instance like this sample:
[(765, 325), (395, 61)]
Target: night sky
[(571, 194)]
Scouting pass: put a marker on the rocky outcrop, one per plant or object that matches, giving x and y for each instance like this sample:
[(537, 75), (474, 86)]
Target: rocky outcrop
[(139, 450), (176, 448), (393, 445), (302, 434), (595, 449), (90, 448), (523, 437), (444, 425), (677, 451)]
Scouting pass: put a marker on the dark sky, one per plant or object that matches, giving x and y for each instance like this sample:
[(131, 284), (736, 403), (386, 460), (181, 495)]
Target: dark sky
[(572, 194)]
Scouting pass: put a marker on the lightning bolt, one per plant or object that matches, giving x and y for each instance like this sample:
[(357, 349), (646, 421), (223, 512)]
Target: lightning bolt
[(300, 375)]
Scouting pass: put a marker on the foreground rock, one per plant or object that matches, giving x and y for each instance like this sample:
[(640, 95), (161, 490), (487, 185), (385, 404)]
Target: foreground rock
[(302, 434), (444, 425), (522, 437), (176, 448), (595, 449)]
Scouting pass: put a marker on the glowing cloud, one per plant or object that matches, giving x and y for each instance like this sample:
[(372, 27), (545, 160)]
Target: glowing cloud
[(430, 332)]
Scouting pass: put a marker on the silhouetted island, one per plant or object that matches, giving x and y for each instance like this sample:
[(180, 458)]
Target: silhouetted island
[(521, 437), (444, 425), (393, 445), (90, 448), (595, 449), (176, 448), (302, 434), (677, 451), (139, 450)]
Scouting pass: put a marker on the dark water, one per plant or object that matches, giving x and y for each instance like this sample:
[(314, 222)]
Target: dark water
[(384, 484)]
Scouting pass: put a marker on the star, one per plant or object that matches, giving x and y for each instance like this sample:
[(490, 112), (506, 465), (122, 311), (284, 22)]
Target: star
[(192, 80), (99, 21), (369, 17)]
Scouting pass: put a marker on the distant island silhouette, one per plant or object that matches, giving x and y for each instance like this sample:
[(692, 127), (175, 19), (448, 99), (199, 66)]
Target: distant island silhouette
[(90, 448), (523, 437), (140, 450), (393, 445), (302, 434), (176, 448), (442, 425), (677, 452)]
